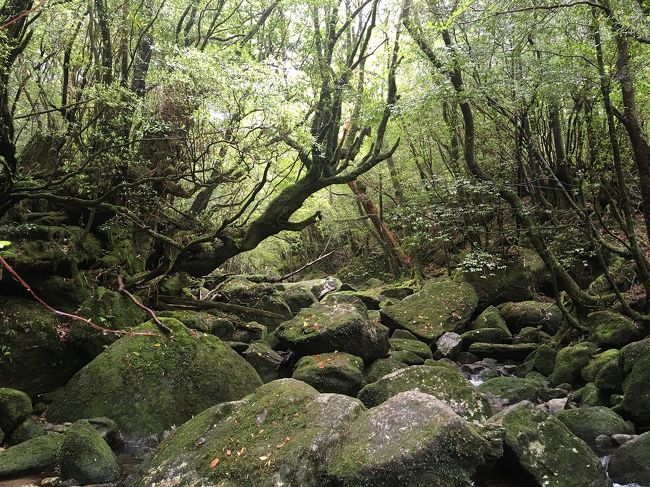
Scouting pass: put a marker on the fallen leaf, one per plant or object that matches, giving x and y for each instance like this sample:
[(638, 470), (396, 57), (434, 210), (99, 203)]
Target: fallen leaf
[(242, 451), (264, 457), (228, 452), (214, 463)]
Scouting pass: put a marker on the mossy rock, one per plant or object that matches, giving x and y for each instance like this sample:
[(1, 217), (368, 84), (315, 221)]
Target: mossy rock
[(397, 292), (485, 335), (503, 351), (84, 456), (262, 296), (338, 298), (298, 297), (531, 334), (429, 445), (108, 309), (490, 318), (522, 314), (149, 383), (623, 274), (406, 357), (509, 390), (630, 463), (448, 385), (47, 250), (635, 366), (30, 456), (544, 359), (28, 428), (221, 325), (570, 361), (419, 348), (336, 372), (318, 287), (15, 406), (612, 330), (589, 396), (326, 328), (266, 361), (370, 298), (382, 367), (547, 450), (603, 370), (587, 423), (33, 358), (282, 434), (438, 307), (522, 277)]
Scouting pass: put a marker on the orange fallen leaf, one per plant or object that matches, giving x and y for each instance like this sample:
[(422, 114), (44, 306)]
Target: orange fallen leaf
[(214, 463), (242, 451)]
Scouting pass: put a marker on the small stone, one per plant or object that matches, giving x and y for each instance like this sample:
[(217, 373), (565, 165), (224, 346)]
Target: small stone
[(449, 344)]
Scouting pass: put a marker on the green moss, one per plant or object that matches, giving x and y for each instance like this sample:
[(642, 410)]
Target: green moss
[(412, 439), (331, 372), (382, 367), (612, 330), (84, 456), (589, 422), (544, 359), (570, 362), (447, 385), (328, 328), (279, 435), (32, 357), (511, 389), (635, 364), (604, 372), (147, 384), (519, 315), (420, 349), (15, 406), (29, 428), (490, 318), (485, 335), (438, 307), (30, 456), (546, 449)]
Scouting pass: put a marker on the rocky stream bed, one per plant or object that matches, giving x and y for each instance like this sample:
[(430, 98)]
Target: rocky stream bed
[(458, 382)]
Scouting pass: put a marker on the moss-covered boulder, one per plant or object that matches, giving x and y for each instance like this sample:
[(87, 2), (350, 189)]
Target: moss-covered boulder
[(220, 325), (412, 439), (370, 298), (336, 372), (319, 287), (570, 361), (544, 359), (589, 422), (531, 334), (623, 274), (15, 406), (438, 307), (266, 361), (547, 450), (326, 328), (260, 296), (27, 429), (630, 464), (522, 276), (282, 434), (609, 329), (32, 357), (419, 348), (603, 370), (503, 391), (490, 318), (46, 250), (149, 383), (382, 367), (519, 315), (30, 456), (503, 351), (485, 335), (447, 385), (298, 297), (84, 456), (406, 357), (635, 367)]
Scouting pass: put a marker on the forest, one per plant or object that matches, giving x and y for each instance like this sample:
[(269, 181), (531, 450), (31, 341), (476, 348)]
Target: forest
[(325, 243)]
